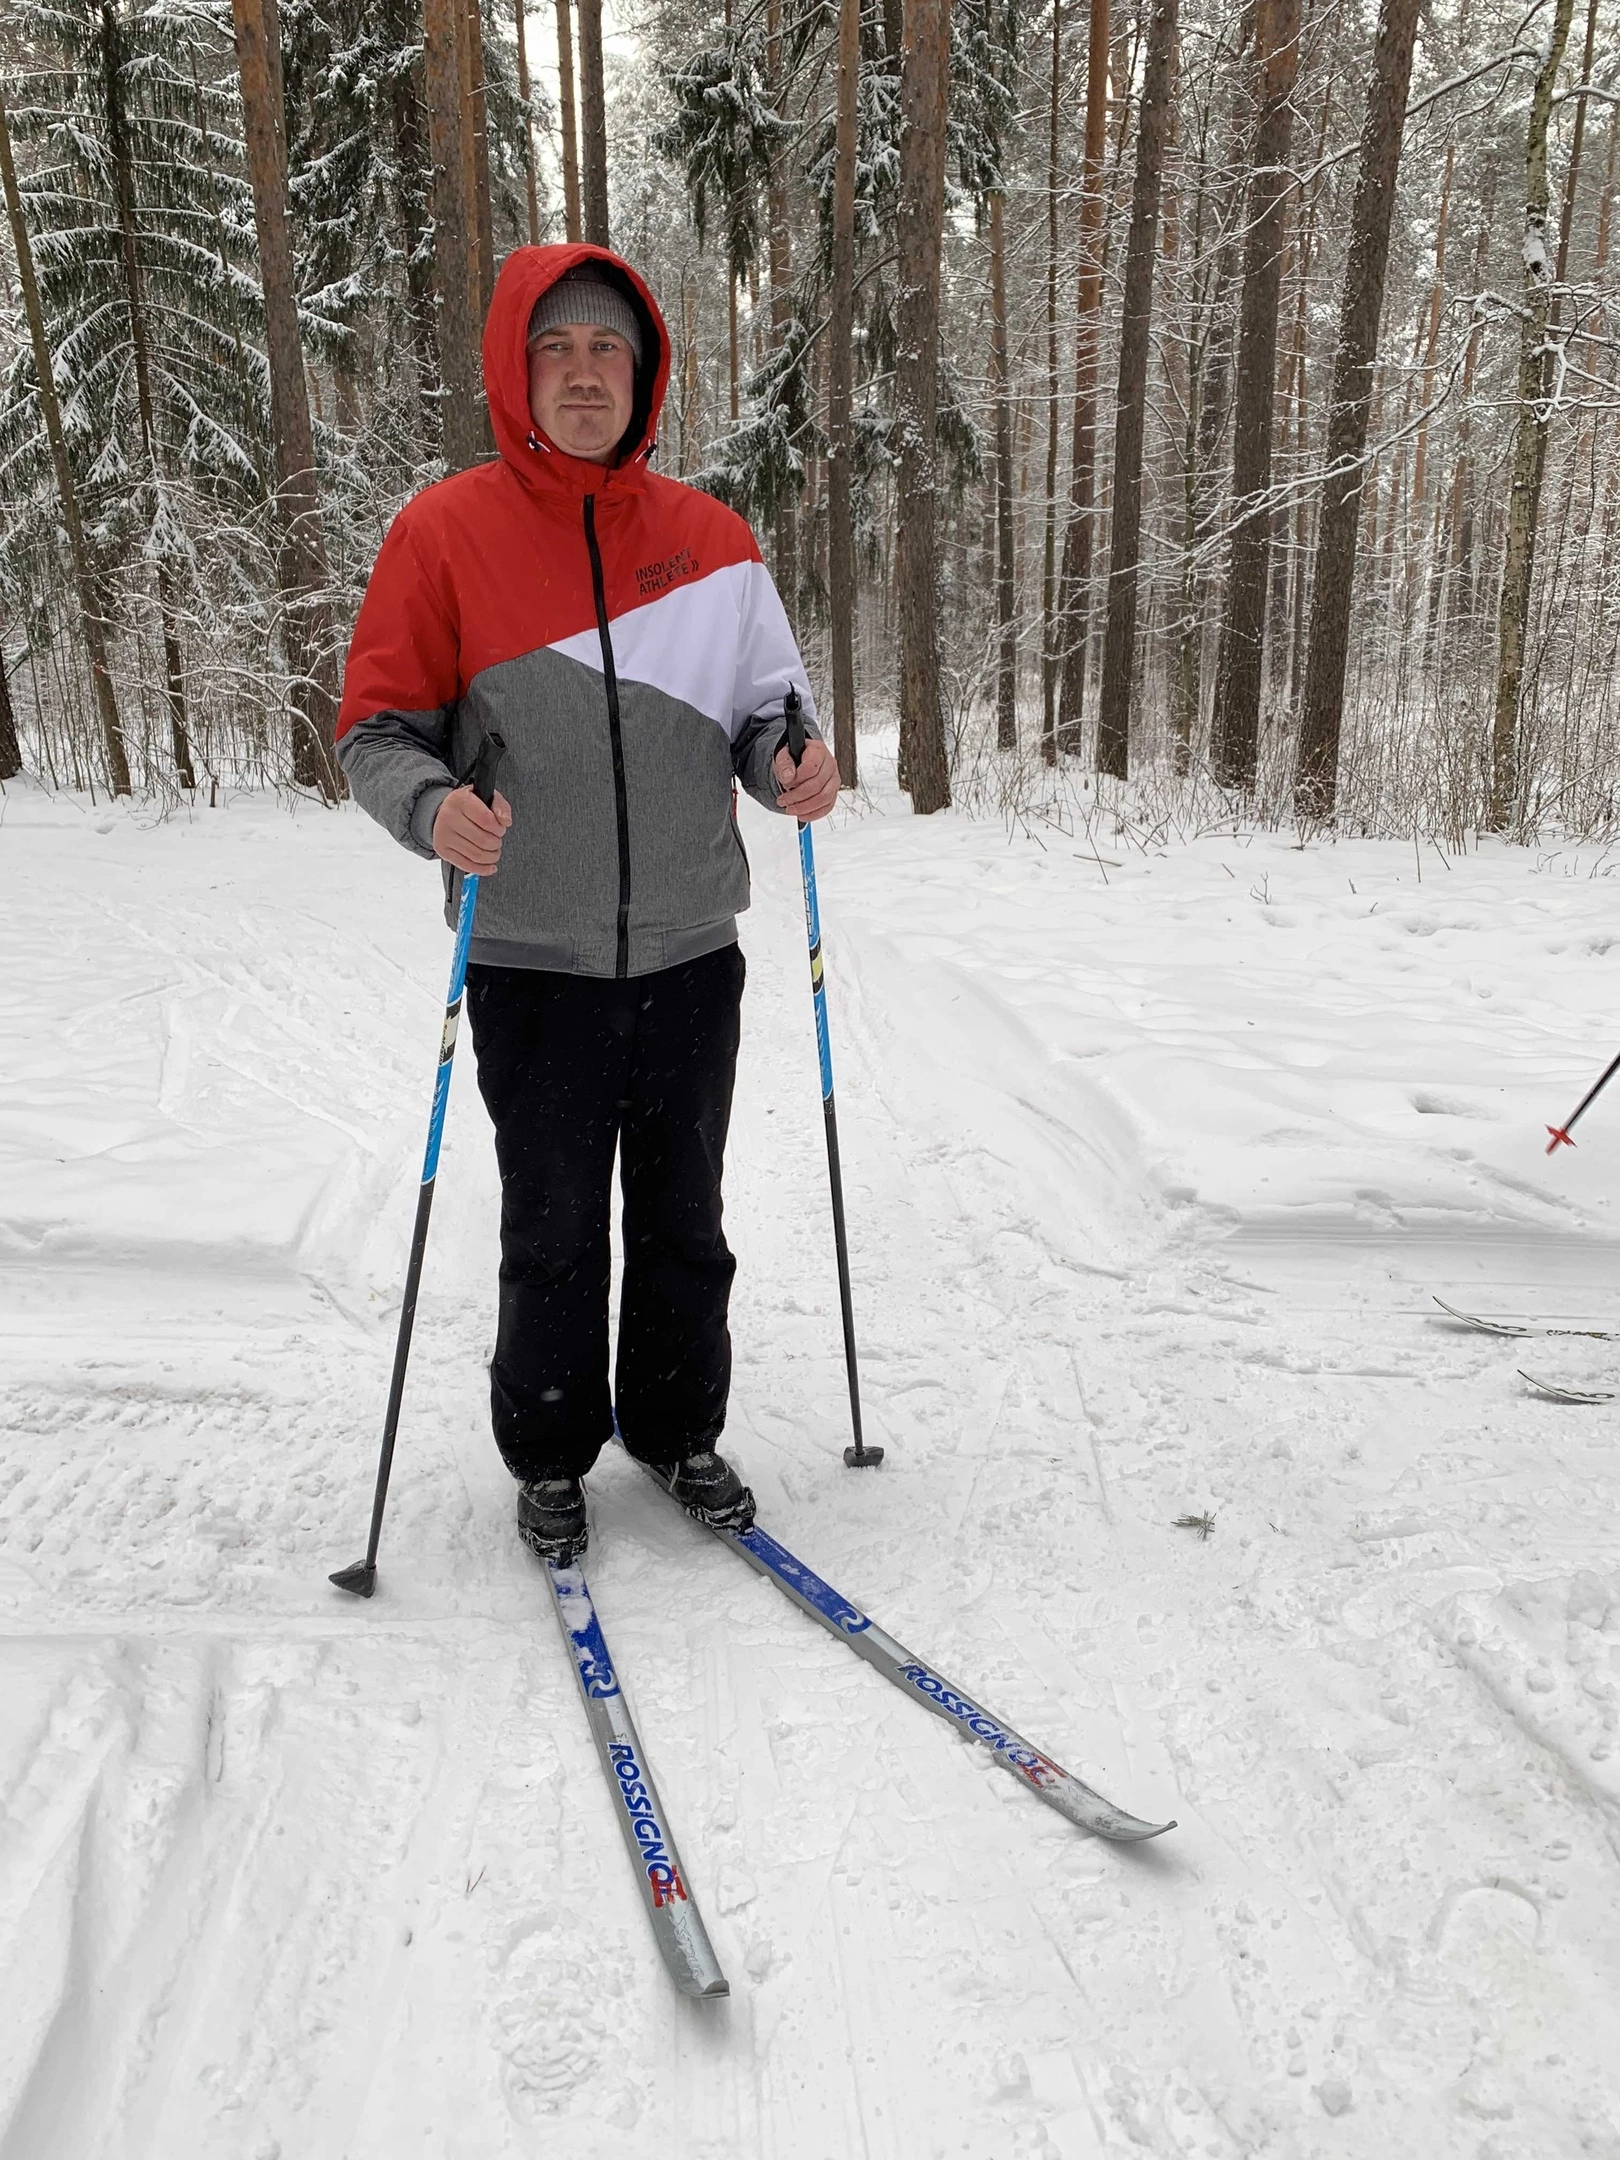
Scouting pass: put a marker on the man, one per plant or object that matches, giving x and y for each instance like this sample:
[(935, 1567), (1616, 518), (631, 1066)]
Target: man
[(622, 634)]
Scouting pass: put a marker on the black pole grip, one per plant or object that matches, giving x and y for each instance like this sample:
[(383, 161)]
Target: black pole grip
[(485, 766), (793, 713)]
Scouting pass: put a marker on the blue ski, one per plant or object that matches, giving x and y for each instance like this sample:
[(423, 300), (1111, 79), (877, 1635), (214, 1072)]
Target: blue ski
[(1059, 1788), (676, 1922)]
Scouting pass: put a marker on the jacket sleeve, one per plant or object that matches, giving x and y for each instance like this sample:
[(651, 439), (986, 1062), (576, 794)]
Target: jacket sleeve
[(767, 662), (400, 687)]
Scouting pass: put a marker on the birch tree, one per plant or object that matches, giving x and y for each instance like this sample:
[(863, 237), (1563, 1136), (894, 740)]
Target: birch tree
[(1535, 393)]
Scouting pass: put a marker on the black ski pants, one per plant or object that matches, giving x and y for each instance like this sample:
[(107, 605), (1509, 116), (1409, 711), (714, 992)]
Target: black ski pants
[(572, 1068)]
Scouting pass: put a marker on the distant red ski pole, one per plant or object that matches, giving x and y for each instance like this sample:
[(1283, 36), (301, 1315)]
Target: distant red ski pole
[(1560, 1133)]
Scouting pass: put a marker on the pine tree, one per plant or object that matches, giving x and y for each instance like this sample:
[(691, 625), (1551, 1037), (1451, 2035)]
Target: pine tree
[(136, 200), (91, 619), (301, 565)]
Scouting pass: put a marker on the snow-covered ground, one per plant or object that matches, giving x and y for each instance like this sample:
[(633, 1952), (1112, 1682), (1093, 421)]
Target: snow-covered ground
[(1153, 1161)]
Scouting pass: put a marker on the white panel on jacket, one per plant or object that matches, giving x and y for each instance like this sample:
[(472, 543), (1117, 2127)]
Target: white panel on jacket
[(720, 644)]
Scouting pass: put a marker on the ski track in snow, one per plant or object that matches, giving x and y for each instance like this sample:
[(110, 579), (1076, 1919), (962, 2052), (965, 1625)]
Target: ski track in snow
[(1151, 1172)]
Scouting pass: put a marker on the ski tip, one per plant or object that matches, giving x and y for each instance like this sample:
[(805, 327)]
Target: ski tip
[(361, 1580), (1560, 1138), (1125, 1829), (862, 1458)]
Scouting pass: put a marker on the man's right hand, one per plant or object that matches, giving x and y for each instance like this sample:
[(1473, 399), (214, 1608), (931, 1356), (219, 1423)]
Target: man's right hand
[(467, 835)]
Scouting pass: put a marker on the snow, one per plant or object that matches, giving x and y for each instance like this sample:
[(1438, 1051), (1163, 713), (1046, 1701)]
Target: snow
[(1154, 1160)]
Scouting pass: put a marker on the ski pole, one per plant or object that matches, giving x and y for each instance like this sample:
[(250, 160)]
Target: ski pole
[(1560, 1133), (860, 1456), (362, 1578)]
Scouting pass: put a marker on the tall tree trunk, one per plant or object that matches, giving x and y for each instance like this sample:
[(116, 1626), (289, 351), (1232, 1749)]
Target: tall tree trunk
[(733, 346), (841, 585), (1184, 696), (463, 419), (1049, 535), (416, 189), (1302, 434), (475, 154), (781, 253), (1299, 552), (119, 151), (10, 746), (1529, 436), (301, 570), (1349, 404), (1458, 548), (572, 226), (688, 414), (522, 7), (1572, 174), (924, 80), (1074, 580), (91, 621), (1217, 337), (593, 115), (1001, 393), (1238, 668), (1119, 641), (1431, 338)]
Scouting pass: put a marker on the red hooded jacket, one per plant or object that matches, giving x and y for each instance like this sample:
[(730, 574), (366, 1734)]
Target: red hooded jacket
[(618, 629)]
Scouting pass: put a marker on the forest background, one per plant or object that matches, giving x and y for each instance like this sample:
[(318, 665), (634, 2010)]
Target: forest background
[(1207, 408)]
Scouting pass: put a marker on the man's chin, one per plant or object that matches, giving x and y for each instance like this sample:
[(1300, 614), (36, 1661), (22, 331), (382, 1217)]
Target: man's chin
[(597, 451)]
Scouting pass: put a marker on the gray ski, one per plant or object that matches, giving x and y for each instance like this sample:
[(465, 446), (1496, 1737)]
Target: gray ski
[(676, 1922), (1556, 1393), (1058, 1787), (1513, 1328)]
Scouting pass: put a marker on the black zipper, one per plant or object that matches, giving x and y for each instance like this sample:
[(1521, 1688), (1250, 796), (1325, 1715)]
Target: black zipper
[(610, 680)]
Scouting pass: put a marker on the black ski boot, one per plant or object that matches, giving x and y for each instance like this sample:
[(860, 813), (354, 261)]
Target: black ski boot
[(709, 1489), (551, 1518)]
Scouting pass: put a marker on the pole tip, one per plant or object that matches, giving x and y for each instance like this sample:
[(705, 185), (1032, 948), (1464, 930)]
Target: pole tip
[(360, 1579), (1560, 1138), (863, 1458)]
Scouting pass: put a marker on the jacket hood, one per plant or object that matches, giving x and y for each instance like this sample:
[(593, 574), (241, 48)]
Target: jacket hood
[(527, 273)]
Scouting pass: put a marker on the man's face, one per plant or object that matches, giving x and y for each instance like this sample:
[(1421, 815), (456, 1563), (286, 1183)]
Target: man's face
[(582, 382)]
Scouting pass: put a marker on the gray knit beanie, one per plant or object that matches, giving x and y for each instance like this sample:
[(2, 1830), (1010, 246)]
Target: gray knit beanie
[(580, 298)]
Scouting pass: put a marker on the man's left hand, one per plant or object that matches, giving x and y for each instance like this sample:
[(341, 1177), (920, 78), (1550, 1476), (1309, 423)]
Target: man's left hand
[(808, 791)]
